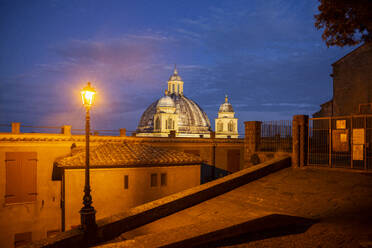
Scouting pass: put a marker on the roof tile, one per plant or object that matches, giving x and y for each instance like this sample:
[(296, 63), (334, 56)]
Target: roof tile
[(128, 154)]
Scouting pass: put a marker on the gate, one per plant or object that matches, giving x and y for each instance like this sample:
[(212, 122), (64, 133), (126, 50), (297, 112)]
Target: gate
[(341, 142)]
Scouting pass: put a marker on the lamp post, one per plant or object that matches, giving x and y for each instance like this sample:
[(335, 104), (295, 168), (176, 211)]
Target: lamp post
[(87, 212)]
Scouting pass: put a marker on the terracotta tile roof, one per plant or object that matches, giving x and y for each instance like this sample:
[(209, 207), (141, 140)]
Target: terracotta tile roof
[(128, 154)]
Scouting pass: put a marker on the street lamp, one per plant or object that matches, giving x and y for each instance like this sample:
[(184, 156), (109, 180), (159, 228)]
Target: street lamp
[(87, 212)]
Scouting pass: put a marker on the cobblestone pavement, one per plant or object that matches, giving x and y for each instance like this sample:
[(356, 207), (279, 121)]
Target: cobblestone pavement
[(341, 201)]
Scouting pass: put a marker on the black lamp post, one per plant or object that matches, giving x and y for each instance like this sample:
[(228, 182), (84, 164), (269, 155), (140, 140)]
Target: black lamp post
[(87, 212)]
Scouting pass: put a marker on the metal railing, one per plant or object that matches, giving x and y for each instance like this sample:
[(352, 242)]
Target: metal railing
[(276, 136)]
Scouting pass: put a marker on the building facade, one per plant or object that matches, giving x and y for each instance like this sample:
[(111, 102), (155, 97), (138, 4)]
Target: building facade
[(123, 175), (352, 84)]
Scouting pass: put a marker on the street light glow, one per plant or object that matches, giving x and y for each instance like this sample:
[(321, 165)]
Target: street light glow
[(87, 95)]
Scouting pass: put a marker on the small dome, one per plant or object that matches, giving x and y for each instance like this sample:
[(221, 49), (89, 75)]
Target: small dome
[(175, 76), (226, 106), (166, 101)]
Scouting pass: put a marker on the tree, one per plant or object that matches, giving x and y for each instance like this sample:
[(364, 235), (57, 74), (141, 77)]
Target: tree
[(345, 22)]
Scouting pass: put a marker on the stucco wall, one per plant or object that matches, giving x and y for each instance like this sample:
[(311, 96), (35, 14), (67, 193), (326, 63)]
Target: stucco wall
[(109, 195), (42, 215)]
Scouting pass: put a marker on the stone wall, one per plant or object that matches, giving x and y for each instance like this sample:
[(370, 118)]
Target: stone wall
[(352, 80)]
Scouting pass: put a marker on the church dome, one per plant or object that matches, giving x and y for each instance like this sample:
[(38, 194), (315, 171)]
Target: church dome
[(166, 101), (226, 106), (191, 118)]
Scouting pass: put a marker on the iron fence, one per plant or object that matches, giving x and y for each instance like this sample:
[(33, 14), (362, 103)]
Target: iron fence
[(341, 142), (276, 136)]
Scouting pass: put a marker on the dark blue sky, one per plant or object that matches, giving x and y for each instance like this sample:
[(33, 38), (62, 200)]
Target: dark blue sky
[(266, 55)]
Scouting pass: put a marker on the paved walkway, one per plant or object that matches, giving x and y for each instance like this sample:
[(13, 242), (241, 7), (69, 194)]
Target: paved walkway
[(341, 201)]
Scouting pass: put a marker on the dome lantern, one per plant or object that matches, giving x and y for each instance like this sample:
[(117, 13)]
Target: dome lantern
[(175, 83)]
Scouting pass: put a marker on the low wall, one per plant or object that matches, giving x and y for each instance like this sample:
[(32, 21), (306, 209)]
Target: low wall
[(113, 226), (262, 157)]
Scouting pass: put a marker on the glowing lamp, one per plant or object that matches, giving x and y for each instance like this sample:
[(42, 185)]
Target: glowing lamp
[(87, 95)]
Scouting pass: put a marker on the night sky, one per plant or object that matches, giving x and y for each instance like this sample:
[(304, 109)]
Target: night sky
[(266, 55)]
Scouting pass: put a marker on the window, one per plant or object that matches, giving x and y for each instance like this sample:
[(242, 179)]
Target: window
[(231, 126), (126, 181), (157, 123), (22, 238), (163, 179), (20, 177), (219, 126), (170, 122), (154, 180)]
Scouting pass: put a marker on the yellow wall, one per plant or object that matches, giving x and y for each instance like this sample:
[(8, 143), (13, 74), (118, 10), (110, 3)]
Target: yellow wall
[(109, 195), (42, 215)]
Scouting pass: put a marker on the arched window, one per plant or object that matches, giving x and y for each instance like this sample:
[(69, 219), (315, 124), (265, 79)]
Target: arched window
[(231, 126), (170, 122), (219, 126), (173, 125), (173, 90), (157, 123)]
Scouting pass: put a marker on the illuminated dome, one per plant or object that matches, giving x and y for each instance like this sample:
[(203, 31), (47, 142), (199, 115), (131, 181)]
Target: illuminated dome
[(226, 106), (191, 119)]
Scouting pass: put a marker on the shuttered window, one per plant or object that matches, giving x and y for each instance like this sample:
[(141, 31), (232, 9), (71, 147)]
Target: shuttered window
[(20, 177)]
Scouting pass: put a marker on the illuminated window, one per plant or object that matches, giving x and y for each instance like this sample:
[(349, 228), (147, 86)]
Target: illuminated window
[(126, 181), (163, 179), (154, 180), (20, 178)]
